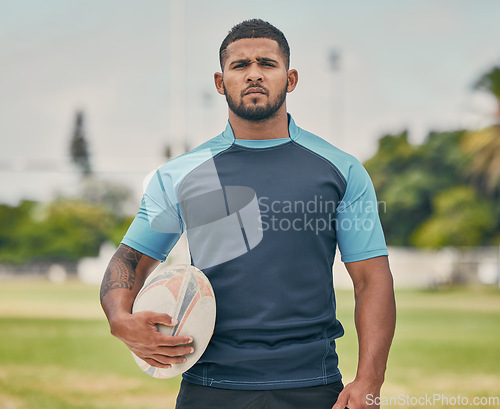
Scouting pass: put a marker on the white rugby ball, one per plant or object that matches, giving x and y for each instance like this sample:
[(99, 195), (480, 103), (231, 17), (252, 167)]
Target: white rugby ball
[(185, 293)]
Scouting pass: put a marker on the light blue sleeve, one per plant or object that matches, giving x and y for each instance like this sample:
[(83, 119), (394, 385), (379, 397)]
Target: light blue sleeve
[(157, 226), (359, 232)]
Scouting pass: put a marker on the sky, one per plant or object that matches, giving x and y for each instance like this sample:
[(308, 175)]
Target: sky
[(142, 72)]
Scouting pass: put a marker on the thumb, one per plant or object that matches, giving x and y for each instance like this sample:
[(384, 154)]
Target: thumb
[(341, 400), (165, 319)]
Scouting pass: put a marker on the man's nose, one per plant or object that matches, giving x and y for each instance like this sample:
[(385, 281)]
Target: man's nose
[(254, 73)]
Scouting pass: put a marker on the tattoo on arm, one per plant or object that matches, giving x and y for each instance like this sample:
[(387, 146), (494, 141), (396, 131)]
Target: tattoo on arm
[(121, 271)]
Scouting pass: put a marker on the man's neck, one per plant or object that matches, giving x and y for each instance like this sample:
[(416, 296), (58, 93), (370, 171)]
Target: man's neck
[(272, 128)]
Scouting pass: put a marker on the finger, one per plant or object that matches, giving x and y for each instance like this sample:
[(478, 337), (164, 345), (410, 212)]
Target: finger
[(163, 361), (165, 319), (341, 401), (175, 351), (165, 355), (156, 364), (169, 360), (172, 340)]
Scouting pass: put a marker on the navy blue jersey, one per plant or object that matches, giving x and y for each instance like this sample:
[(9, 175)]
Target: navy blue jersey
[(263, 219)]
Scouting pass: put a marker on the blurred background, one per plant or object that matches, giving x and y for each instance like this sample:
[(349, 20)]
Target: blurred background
[(95, 95)]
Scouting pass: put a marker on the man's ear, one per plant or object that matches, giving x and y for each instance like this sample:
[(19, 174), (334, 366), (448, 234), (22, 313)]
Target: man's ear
[(219, 82), (293, 79)]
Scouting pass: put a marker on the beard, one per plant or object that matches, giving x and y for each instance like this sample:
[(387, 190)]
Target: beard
[(253, 112)]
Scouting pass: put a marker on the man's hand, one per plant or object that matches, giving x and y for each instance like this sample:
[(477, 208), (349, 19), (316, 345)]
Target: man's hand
[(123, 279), (355, 395), (140, 333)]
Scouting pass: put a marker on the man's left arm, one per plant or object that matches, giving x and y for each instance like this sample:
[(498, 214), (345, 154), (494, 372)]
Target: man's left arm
[(375, 319)]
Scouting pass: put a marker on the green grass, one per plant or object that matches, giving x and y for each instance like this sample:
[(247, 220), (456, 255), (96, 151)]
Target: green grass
[(446, 342), (51, 361), (56, 351)]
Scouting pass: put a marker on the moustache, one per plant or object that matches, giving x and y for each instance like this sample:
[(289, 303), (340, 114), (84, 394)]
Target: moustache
[(254, 88)]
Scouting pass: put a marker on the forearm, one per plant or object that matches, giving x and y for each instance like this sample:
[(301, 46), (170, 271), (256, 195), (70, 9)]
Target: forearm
[(375, 318), (124, 277)]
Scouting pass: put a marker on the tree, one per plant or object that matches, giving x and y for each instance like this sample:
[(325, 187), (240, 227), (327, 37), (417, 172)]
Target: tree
[(63, 230), (483, 147), (407, 177), (79, 146), (13, 219), (424, 189), (460, 218), (400, 184), (490, 81)]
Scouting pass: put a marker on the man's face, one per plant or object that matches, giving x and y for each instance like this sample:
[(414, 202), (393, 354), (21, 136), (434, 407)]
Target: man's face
[(255, 78)]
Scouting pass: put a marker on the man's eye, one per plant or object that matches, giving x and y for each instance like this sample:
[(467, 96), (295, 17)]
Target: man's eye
[(268, 64), (239, 66)]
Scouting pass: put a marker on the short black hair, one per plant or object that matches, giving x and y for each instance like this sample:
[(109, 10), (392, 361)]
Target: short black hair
[(255, 28)]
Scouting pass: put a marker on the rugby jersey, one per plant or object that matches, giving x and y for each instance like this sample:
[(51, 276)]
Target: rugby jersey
[(263, 219)]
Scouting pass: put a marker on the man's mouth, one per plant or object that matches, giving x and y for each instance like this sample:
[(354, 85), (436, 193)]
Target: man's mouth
[(255, 90)]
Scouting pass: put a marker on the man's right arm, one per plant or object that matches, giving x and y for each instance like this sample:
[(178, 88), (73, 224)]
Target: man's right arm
[(124, 277)]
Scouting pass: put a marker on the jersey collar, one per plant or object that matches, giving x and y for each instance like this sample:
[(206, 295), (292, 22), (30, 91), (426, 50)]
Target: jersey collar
[(293, 130)]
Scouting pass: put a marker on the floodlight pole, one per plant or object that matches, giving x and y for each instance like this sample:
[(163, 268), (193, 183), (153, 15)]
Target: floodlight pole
[(337, 94), (178, 89)]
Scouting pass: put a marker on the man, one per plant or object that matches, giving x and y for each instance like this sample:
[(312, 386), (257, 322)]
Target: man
[(264, 205)]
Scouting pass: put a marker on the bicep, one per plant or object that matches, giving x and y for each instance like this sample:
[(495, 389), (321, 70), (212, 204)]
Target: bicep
[(374, 270), (359, 231)]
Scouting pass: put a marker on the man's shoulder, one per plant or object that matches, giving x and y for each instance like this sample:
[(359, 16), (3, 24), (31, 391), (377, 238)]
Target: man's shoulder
[(175, 170), (343, 161)]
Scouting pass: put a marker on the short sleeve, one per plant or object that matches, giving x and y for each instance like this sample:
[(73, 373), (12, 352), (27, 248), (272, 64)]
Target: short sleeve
[(157, 226), (359, 231)]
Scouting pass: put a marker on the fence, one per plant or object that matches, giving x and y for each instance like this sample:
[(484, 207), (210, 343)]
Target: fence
[(411, 268), (430, 268)]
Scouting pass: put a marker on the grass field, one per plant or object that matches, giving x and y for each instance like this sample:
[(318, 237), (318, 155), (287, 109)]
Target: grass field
[(56, 351)]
